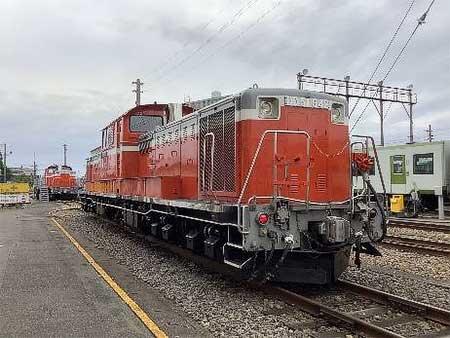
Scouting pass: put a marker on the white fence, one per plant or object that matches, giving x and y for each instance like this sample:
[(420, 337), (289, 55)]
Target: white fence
[(9, 199)]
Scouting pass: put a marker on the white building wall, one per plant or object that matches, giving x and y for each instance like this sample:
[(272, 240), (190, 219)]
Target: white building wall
[(421, 182)]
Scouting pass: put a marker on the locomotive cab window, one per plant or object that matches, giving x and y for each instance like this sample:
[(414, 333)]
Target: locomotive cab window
[(423, 164), (144, 123)]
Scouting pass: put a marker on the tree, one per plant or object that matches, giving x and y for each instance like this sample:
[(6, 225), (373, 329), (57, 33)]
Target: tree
[(1, 170), (22, 178), (8, 173)]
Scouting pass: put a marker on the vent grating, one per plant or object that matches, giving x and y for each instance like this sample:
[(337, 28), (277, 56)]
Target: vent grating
[(218, 151), (321, 183)]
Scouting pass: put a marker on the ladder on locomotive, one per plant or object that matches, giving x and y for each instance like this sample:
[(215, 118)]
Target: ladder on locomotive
[(43, 194)]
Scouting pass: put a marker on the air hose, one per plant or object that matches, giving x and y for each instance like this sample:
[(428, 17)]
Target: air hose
[(383, 215)]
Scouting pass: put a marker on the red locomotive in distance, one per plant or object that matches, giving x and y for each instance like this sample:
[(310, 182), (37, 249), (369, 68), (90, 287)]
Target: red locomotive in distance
[(261, 181), (61, 182)]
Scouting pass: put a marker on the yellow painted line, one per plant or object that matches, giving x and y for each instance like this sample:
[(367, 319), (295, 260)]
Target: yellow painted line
[(150, 324)]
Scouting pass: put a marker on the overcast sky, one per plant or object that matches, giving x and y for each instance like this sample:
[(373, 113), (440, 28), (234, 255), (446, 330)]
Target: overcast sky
[(66, 66)]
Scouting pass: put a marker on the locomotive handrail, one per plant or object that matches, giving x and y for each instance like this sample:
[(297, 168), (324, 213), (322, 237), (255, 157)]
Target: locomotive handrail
[(376, 159), (210, 134), (300, 201), (250, 171), (370, 187)]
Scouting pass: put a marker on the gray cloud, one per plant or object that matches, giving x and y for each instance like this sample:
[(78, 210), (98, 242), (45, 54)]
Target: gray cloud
[(67, 66)]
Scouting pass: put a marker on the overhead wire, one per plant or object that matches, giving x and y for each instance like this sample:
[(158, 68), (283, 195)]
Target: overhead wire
[(201, 28), (385, 51), (235, 37), (420, 22), (210, 38)]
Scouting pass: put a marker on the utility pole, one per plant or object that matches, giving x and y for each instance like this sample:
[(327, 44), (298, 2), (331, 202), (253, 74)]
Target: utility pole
[(429, 131), (347, 93), (65, 153), (410, 115), (4, 163), (34, 170), (138, 91), (380, 84)]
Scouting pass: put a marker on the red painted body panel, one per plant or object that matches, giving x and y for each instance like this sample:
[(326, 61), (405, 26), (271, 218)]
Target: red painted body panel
[(59, 179), (330, 162), (170, 169)]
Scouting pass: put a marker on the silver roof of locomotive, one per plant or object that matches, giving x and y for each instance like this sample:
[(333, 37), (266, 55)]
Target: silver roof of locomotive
[(249, 96)]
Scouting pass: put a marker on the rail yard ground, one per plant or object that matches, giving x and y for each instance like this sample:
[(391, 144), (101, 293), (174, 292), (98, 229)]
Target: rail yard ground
[(48, 288)]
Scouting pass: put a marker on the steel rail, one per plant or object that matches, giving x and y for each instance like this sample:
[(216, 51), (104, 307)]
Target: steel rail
[(315, 308), (427, 311), (418, 244), (420, 225)]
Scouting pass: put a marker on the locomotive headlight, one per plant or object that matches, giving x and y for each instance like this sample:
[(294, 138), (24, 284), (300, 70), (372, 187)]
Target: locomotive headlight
[(268, 108)]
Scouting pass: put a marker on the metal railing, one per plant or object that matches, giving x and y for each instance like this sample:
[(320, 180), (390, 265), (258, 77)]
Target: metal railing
[(255, 157), (211, 176)]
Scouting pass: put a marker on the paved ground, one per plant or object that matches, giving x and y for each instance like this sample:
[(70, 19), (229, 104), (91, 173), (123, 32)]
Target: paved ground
[(48, 289)]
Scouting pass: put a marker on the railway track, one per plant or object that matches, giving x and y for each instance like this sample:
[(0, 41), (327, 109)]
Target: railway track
[(356, 322), (360, 321), (419, 244), (428, 225), (381, 311)]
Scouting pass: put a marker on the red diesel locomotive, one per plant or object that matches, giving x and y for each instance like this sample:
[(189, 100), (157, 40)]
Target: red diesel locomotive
[(61, 182), (261, 181)]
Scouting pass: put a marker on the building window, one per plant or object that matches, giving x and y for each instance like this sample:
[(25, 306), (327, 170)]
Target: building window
[(423, 164), (398, 164)]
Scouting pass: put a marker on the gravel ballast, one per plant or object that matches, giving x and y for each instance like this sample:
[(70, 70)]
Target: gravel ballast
[(437, 236), (410, 261), (225, 307), (406, 274), (222, 306)]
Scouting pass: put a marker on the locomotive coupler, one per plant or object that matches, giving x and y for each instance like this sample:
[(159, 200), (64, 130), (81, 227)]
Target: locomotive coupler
[(358, 249), (289, 240)]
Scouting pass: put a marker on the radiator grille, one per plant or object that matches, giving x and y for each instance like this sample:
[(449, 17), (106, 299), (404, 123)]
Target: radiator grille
[(218, 166)]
